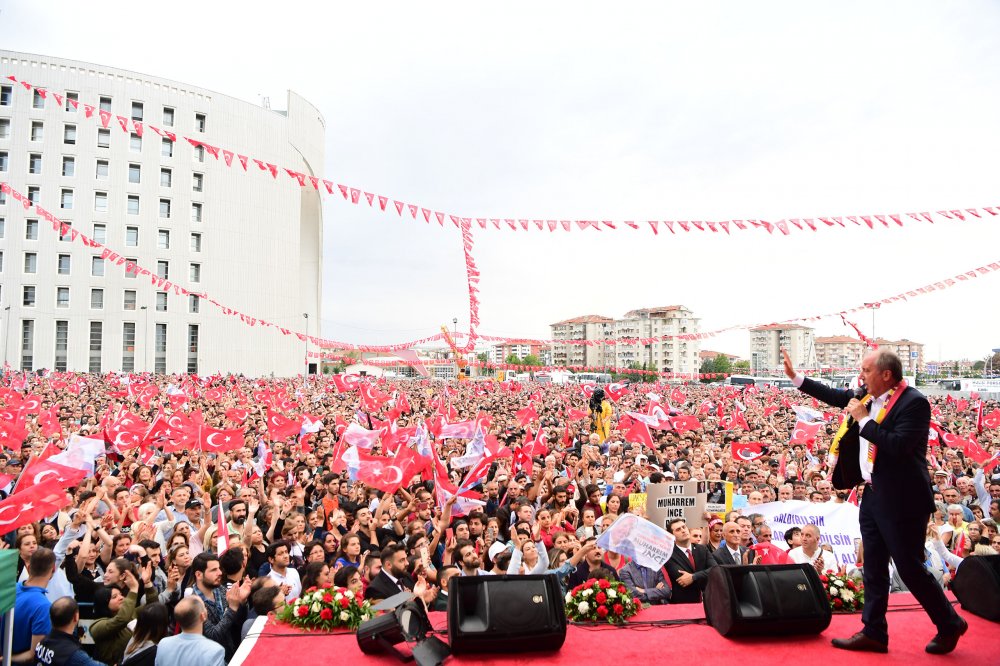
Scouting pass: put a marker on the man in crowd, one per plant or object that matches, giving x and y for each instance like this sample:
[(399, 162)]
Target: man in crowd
[(190, 647), (31, 607), (688, 565)]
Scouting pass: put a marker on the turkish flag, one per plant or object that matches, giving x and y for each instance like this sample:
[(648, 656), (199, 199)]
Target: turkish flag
[(771, 554), (616, 391), (379, 472), (48, 421), (587, 390), (126, 432), (28, 505), (992, 420), (678, 396), (962, 405), (972, 450), (526, 415), (281, 427), (355, 435), (747, 450), (685, 423), (805, 433), (372, 398), (39, 471), (237, 415), (639, 432), (215, 394), (462, 430), (217, 441), (573, 414)]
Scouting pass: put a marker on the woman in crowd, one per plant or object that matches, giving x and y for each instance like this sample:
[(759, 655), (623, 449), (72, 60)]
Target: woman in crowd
[(315, 574), (350, 551), (349, 577), (151, 625)]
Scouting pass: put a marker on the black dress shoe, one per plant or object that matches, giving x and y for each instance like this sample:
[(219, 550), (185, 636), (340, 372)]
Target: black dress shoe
[(859, 642), (945, 643)]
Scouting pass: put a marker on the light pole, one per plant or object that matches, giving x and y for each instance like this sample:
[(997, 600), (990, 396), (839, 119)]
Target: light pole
[(145, 336), (305, 377)]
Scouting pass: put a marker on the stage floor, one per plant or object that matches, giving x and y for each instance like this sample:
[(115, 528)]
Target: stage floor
[(642, 641)]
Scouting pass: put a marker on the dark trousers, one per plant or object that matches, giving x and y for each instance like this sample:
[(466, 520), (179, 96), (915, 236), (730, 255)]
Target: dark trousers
[(902, 538)]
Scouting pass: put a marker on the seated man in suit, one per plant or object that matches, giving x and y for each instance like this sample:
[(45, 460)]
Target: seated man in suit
[(647, 585), (393, 578), (593, 566), (688, 565)]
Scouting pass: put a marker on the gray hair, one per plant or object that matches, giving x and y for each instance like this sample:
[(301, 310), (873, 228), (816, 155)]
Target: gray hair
[(888, 360)]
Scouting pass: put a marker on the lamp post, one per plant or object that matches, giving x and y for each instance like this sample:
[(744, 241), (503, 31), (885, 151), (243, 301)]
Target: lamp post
[(305, 376)]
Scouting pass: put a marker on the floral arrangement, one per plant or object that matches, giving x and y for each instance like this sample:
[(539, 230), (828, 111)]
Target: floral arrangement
[(845, 594), (327, 608), (601, 600)]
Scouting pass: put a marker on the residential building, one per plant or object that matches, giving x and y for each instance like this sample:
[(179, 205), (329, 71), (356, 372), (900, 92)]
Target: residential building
[(766, 343), (254, 244), (839, 351), (587, 327)]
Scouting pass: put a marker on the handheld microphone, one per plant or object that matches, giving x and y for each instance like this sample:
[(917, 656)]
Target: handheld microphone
[(859, 393)]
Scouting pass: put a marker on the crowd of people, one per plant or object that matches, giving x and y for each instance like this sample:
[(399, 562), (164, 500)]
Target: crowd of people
[(136, 554)]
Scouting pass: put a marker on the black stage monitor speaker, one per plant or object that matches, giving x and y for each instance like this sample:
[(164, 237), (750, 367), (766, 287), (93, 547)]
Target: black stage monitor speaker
[(766, 600), (505, 614), (977, 586)]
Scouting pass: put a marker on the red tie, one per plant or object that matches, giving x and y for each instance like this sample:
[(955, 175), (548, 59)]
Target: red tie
[(690, 557)]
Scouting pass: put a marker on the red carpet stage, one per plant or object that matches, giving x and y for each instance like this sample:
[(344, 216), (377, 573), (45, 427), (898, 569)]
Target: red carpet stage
[(641, 642)]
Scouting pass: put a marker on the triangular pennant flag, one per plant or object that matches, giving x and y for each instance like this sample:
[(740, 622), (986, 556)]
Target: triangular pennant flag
[(243, 161), (227, 155)]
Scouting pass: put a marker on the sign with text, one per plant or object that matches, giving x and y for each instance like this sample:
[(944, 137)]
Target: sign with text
[(838, 524), (688, 500)]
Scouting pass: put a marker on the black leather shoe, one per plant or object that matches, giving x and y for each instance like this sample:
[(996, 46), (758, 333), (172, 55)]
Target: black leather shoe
[(945, 643), (859, 642)]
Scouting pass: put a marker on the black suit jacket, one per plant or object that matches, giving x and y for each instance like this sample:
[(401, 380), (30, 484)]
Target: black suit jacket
[(383, 588), (678, 564), (901, 464), (723, 556)]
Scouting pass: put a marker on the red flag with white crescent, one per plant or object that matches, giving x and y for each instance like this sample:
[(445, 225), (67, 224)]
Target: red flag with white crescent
[(746, 450), (26, 506)]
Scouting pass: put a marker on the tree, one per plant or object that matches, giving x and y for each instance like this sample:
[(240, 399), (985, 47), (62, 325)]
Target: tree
[(512, 359), (483, 357), (531, 359), (741, 366), (721, 364)]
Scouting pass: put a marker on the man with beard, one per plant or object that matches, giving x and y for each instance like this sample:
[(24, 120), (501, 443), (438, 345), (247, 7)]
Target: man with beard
[(237, 520)]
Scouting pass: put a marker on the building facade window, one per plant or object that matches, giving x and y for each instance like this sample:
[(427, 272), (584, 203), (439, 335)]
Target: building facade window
[(100, 202), (134, 173), (200, 122), (196, 212), (31, 230), (163, 239), (27, 345), (133, 204), (37, 130), (132, 236), (63, 264), (69, 134), (97, 266), (105, 104), (166, 148), (62, 297), (194, 304), (30, 263), (96, 299), (192, 349), (28, 296), (62, 346), (100, 233), (163, 269), (166, 177), (128, 346), (137, 111), (34, 163), (128, 301), (165, 209), (103, 170), (160, 349), (96, 342), (168, 116), (196, 242), (161, 301), (66, 199), (69, 166), (103, 138), (194, 274)]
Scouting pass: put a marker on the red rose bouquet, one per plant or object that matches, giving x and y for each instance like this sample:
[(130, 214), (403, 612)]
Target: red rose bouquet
[(326, 608), (845, 594), (601, 600)]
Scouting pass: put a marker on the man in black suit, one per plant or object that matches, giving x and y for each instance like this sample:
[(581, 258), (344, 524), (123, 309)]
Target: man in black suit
[(731, 552), (688, 565), (393, 578), (887, 452)]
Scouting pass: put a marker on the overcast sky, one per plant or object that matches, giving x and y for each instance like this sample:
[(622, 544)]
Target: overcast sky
[(660, 110)]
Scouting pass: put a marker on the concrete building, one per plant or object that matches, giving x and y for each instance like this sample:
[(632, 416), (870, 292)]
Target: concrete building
[(766, 343), (587, 327), (615, 335), (671, 355), (499, 353), (909, 352), (839, 351), (250, 242)]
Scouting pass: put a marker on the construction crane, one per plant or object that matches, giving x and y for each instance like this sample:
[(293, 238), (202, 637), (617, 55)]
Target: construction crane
[(459, 361)]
